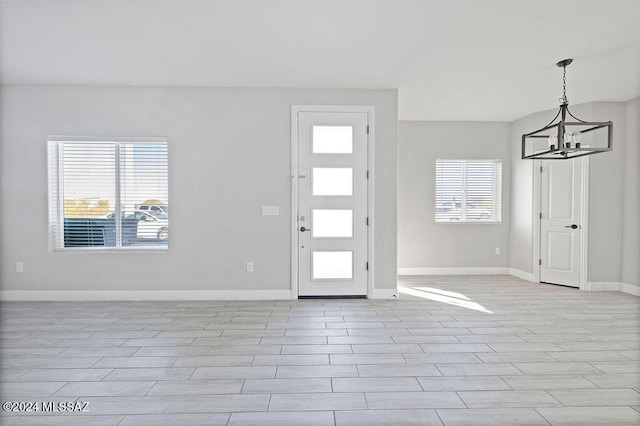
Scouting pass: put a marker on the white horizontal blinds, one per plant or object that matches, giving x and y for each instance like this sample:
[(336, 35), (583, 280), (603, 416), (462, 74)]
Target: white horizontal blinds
[(87, 172), (483, 180), (143, 182), (449, 190), (95, 187), (468, 190), (55, 197)]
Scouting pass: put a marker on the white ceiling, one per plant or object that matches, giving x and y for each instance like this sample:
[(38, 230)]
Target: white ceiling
[(449, 59)]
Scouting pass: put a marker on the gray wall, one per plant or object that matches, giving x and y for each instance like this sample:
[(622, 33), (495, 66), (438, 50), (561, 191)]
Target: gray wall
[(606, 183), (631, 198), (422, 243), (229, 154), (521, 233), (613, 178)]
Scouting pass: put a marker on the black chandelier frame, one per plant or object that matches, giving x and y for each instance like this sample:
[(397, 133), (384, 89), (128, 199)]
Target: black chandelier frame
[(567, 145)]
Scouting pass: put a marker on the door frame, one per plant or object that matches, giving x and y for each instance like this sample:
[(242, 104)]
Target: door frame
[(295, 110), (584, 226)]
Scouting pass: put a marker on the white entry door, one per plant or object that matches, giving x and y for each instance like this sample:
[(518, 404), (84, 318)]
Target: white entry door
[(561, 222), (332, 220)]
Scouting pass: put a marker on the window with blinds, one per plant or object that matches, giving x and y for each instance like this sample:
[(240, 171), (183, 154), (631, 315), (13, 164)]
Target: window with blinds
[(108, 194), (468, 190)]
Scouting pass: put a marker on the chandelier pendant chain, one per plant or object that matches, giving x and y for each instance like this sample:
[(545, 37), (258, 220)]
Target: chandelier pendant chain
[(564, 99)]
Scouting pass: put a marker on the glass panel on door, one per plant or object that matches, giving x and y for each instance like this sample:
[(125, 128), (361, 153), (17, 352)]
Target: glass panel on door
[(332, 181), (332, 140), (332, 223), (332, 265)]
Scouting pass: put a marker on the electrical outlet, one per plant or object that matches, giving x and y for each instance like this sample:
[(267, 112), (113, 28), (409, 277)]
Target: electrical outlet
[(249, 266), (19, 267), (497, 252)]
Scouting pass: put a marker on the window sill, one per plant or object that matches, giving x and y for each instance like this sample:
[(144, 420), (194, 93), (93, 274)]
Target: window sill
[(472, 222), (111, 250)]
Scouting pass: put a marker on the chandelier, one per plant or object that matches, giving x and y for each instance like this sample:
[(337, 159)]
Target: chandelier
[(563, 138)]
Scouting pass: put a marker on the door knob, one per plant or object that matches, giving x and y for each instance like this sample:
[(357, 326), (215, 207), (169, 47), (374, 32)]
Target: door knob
[(303, 229), (574, 226)]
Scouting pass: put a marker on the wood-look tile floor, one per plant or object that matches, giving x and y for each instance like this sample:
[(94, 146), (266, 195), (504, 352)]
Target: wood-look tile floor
[(453, 350)]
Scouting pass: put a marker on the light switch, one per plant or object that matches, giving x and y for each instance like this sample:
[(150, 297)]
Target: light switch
[(270, 210)]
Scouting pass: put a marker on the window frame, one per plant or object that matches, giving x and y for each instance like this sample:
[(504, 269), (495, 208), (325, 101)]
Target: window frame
[(55, 191), (496, 183)]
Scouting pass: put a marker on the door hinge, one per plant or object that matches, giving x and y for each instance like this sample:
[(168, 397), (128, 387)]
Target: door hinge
[(540, 169), (367, 129), (367, 266), (539, 262), (540, 215), (367, 221), (367, 174)]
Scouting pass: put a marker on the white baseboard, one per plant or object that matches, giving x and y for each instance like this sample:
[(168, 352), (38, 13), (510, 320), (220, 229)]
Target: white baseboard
[(183, 295), (454, 271), (602, 286), (527, 276), (385, 293), (614, 286), (630, 289), (140, 295)]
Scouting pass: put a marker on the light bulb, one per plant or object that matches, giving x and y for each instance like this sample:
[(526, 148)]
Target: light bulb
[(567, 140), (553, 140), (577, 137)]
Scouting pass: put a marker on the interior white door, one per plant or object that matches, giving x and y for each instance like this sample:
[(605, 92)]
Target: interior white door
[(332, 203), (560, 222)]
